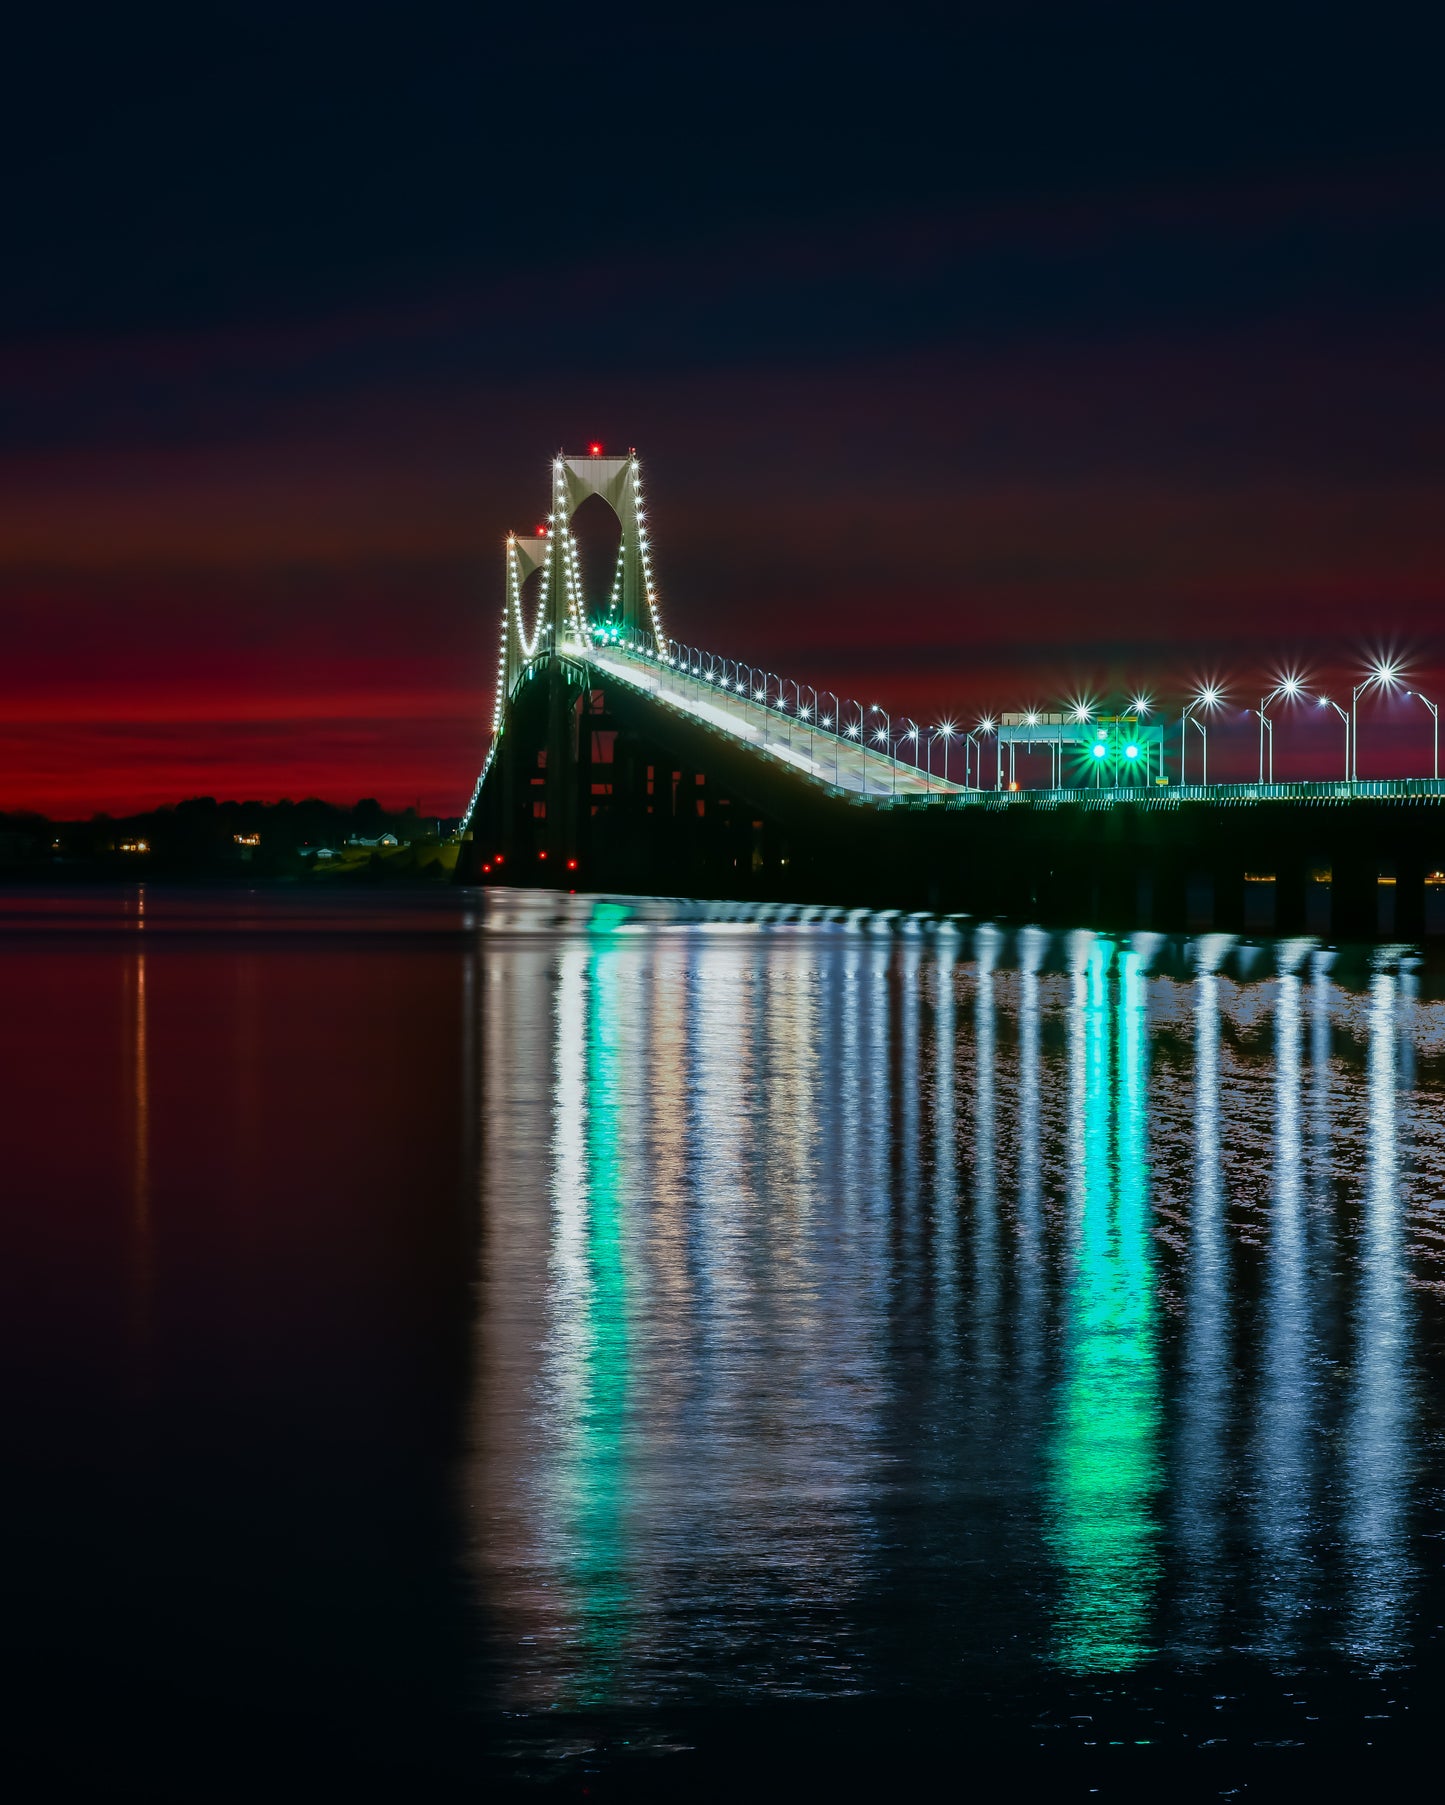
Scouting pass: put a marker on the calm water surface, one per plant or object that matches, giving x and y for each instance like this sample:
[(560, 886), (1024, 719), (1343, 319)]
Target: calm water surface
[(465, 1338)]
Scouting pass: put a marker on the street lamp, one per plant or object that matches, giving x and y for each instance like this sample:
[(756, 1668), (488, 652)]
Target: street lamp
[(832, 721), (912, 734), (945, 730), (1140, 706), (985, 727), (1435, 717), (1207, 698), (884, 736), (1289, 688), (1330, 702), (1031, 720), (1384, 674)]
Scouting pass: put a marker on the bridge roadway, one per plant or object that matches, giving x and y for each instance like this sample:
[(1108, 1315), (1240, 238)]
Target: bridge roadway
[(840, 763), (831, 759)]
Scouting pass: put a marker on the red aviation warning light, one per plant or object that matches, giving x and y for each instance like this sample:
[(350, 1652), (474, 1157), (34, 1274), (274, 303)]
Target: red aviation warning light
[(594, 450), (542, 531)]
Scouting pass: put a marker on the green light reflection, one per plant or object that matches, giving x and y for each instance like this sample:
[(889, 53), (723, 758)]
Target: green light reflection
[(592, 1335), (1104, 1468)]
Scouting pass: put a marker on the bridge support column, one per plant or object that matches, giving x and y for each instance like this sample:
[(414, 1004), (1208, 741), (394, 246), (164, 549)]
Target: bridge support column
[(560, 838)]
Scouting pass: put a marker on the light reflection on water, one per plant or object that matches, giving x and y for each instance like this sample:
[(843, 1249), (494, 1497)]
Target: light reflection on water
[(859, 1309), (418, 1312)]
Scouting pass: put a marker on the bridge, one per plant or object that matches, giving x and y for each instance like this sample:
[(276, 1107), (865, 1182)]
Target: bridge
[(624, 759)]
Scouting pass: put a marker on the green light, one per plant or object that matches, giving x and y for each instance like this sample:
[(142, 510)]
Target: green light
[(1098, 752), (1131, 752)]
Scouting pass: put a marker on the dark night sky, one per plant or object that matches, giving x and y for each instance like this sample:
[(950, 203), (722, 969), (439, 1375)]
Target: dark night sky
[(976, 354)]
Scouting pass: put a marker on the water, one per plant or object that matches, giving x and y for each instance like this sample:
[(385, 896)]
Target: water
[(586, 1345)]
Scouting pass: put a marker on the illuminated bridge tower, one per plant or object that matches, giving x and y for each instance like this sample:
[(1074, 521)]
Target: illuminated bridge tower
[(632, 605), (547, 656)]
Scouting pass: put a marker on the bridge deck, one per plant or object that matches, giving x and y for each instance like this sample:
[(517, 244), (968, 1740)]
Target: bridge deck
[(841, 764), (831, 759)]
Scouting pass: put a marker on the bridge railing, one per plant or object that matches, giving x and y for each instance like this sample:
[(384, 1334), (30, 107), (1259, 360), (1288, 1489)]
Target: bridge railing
[(1173, 795)]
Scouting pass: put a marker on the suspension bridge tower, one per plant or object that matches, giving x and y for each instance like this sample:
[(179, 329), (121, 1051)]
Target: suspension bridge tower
[(541, 664)]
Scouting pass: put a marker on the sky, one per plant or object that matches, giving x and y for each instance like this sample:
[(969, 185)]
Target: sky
[(978, 357)]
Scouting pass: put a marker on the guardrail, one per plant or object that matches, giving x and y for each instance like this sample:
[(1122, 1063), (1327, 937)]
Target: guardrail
[(1174, 795)]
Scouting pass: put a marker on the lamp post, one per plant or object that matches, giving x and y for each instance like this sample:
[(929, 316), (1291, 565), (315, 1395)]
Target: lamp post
[(1435, 717), (832, 723), (1329, 702), (797, 707), (1141, 706), (1383, 675), (1031, 720), (1289, 688), (1080, 714), (945, 731), (984, 728), (912, 737), (884, 735), (854, 731), (1207, 698), (810, 715)]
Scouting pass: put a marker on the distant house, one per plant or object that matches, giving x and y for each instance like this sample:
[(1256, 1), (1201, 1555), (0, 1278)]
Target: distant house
[(380, 840)]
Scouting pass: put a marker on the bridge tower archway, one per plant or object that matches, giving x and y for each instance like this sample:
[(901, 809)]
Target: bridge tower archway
[(618, 482)]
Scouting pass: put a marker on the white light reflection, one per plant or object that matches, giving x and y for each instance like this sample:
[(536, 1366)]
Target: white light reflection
[(1377, 1460), (910, 1081), (1286, 1438), (1032, 946), (944, 1088), (985, 1261), (1205, 1483)]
